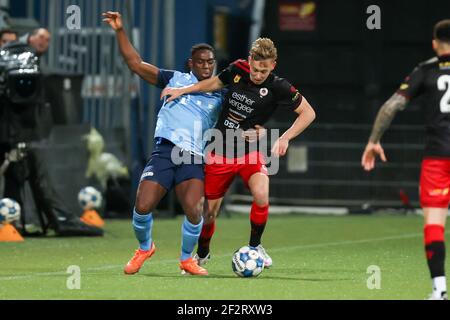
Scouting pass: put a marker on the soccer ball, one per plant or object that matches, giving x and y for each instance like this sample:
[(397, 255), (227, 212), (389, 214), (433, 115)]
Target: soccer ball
[(9, 210), (89, 198), (247, 262)]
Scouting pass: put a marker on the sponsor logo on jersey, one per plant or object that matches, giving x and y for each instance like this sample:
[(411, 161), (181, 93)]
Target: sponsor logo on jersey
[(231, 117), (439, 192), (238, 114), (243, 98), (240, 106), (237, 78), (241, 102), (147, 174), (231, 124)]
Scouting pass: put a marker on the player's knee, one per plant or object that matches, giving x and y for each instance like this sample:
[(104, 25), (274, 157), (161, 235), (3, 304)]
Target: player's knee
[(194, 217), (262, 202), (261, 198), (211, 212), (209, 217), (144, 206), (194, 208)]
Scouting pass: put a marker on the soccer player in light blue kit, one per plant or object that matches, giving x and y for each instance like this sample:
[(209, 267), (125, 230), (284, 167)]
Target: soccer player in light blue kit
[(179, 132)]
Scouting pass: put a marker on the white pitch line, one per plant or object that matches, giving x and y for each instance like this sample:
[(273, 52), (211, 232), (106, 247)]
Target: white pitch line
[(307, 246)]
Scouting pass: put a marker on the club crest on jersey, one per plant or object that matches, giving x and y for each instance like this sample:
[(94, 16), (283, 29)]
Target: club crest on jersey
[(237, 78), (439, 192), (263, 92)]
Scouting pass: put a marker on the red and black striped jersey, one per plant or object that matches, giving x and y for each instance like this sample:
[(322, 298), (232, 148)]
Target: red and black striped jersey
[(432, 79)]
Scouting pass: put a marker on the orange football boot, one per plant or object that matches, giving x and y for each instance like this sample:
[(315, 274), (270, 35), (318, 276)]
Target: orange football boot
[(191, 266), (135, 264)]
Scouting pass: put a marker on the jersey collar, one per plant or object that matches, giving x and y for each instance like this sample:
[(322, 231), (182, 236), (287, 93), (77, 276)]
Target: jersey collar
[(444, 57), (194, 76), (262, 85)]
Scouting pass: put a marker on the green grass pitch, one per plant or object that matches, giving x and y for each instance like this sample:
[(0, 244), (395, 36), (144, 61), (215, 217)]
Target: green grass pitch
[(315, 257)]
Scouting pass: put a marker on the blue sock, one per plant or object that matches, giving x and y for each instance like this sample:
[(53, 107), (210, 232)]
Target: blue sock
[(190, 235), (142, 225)]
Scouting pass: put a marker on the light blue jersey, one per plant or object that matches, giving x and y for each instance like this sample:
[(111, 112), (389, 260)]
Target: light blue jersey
[(185, 120)]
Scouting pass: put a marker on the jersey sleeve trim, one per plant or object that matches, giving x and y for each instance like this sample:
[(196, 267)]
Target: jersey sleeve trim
[(243, 65), (404, 94), (164, 77)]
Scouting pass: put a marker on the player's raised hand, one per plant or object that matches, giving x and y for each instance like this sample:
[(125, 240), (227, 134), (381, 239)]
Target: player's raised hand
[(114, 19), (280, 147), (172, 93), (370, 154)]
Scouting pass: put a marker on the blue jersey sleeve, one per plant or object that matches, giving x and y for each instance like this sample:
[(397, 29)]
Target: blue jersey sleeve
[(164, 77)]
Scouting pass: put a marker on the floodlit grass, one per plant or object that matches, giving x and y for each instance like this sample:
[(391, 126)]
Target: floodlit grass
[(314, 257)]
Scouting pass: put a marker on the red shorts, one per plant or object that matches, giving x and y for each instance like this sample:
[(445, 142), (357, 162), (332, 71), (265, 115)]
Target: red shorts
[(220, 172), (435, 183)]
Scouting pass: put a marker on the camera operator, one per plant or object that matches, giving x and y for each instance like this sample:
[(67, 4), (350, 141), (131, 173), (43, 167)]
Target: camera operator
[(6, 36), (21, 97), (38, 39)]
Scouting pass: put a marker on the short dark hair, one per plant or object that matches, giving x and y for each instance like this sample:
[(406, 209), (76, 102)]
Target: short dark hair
[(5, 31), (36, 31), (202, 46), (441, 31)]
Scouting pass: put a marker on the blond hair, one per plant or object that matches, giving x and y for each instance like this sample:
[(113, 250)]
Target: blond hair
[(262, 49)]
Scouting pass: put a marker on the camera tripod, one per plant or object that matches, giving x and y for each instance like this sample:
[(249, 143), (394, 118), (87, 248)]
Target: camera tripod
[(18, 156)]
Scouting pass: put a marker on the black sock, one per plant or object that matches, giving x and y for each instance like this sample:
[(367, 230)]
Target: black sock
[(203, 247), (436, 258), (256, 234), (205, 239)]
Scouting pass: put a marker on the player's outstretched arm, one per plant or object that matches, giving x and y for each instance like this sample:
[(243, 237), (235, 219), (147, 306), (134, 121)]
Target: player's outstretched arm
[(306, 116), (132, 58), (207, 85), (383, 120)]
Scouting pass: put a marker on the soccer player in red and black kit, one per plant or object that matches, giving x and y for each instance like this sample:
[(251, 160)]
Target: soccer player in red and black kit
[(432, 79), (254, 93)]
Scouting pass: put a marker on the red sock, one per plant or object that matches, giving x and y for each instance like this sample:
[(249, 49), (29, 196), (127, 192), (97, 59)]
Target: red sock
[(433, 232), (259, 215)]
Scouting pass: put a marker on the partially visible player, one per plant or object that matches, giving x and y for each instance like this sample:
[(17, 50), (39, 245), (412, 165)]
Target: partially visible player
[(6, 36), (179, 131), (432, 79), (254, 93)]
